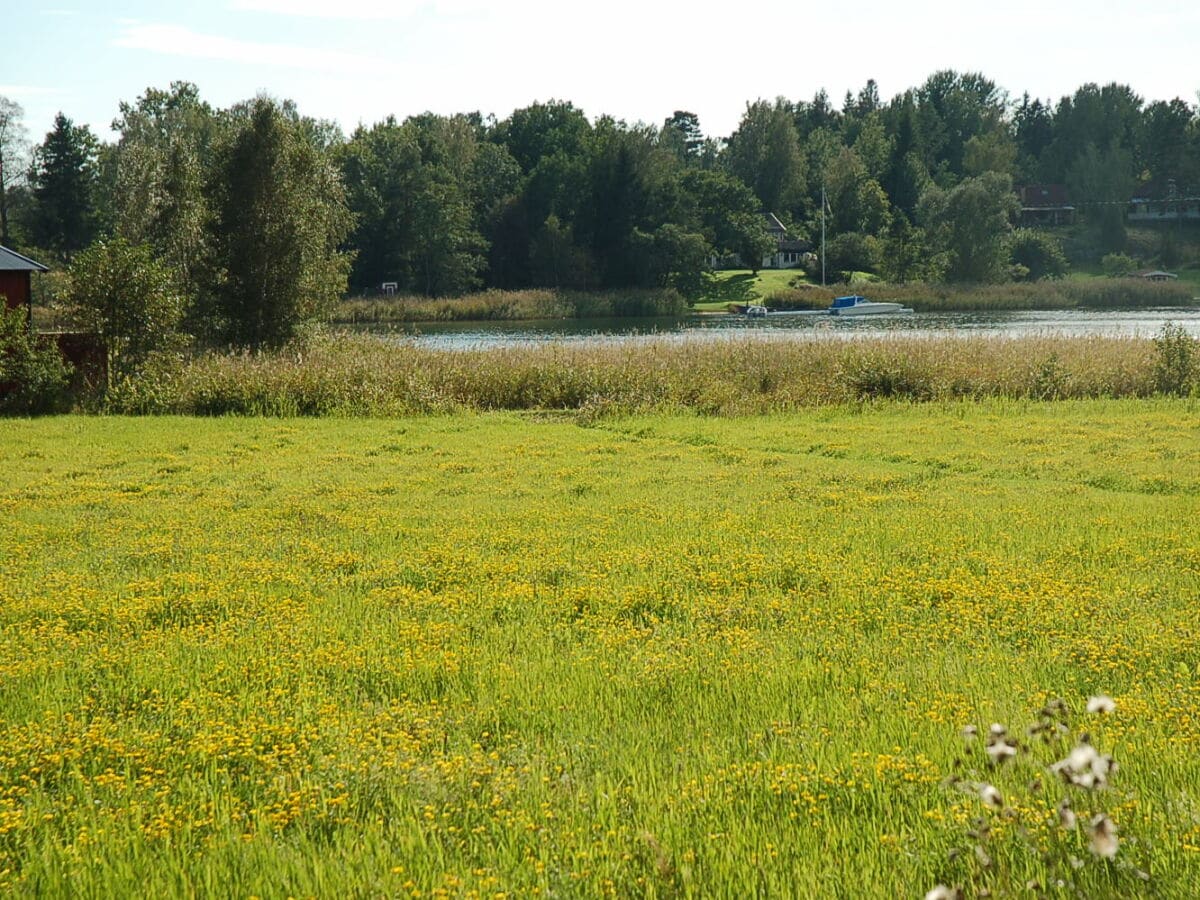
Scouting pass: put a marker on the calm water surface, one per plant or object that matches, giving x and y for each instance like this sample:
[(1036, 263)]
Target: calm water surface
[(478, 335)]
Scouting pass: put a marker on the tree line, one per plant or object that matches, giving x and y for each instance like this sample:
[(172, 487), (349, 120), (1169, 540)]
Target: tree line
[(264, 216)]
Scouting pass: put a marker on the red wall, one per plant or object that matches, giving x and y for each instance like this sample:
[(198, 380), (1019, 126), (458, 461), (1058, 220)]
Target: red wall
[(15, 286)]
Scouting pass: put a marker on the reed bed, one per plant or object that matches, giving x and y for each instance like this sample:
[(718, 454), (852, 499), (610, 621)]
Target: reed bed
[(354, 375), (490, 306), (1093, 293)]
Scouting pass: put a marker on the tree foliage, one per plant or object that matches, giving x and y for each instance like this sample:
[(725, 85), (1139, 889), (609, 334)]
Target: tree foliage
[(1037, 255), (765, 154), (165, 147), (64, 182), (260, 212), (129, 299), (33, 374), (971, 223), (13, 151), (280, 218)]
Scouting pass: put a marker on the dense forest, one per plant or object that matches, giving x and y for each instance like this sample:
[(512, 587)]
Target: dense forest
[(258, 204)]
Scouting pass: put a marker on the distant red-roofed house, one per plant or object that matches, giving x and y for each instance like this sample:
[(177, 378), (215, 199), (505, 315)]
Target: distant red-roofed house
[(1045, 204), (1161, 200)]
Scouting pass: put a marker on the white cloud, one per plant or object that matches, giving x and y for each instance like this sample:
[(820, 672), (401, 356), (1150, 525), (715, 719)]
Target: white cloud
[(175, 40), (357, 9)]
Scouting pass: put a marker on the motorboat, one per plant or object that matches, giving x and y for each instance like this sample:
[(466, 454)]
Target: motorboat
[(756, 312), (857, 305)]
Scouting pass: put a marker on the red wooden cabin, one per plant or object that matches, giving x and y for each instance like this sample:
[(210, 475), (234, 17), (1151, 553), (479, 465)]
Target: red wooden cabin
[(16, 279)]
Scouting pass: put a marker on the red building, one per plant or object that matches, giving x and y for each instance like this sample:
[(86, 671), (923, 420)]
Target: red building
[(16, 279), (1045, 204)]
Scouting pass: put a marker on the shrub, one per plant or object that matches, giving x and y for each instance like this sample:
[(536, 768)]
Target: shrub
[(1117, 265), (852, 252), (1177, 355), (1040, 255), (128, 299), (879, 373), (33, 375)]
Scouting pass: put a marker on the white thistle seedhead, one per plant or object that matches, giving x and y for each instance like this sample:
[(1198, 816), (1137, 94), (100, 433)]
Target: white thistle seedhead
[(991, 796), (1066, 816), (1103, 766), (941, 892), (970, 732), (1081, 758), (1001, 752), (1104, 837), (997, 730), (1101, 704)]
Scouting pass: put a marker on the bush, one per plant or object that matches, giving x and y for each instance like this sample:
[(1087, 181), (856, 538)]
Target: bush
[(1177, 360), (852, 252), (1040, 255), (1117, 265), (877, 373), (33, 375), (128, 299)]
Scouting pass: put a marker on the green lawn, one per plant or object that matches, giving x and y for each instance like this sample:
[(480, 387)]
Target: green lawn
[(743, 286), (483, 655)]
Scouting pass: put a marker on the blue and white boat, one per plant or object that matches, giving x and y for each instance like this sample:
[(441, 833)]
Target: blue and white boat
[(857, 305)]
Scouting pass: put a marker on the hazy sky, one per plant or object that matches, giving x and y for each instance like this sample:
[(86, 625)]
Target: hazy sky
[(359, 60)]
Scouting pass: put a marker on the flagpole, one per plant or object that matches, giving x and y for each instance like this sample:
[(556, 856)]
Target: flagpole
[(822, 234)]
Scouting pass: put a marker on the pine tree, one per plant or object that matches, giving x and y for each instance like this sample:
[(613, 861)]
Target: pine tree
[(64, 188)]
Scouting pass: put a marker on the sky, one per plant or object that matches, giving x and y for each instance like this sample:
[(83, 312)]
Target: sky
[(357, 61)]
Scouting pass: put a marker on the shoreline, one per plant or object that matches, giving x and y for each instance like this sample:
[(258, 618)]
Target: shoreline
[(486, 308)]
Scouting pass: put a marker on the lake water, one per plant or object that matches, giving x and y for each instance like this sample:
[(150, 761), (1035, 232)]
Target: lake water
[(481, 335)]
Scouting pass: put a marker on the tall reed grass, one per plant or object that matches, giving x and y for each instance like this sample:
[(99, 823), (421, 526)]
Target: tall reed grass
[(1088, 293), (364, 375), (511, 305)]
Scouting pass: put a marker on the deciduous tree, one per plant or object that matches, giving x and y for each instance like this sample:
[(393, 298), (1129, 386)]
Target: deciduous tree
[(129, 299), (765, 154), (13, 162), (971, 223), (164, 150), (280, 218)]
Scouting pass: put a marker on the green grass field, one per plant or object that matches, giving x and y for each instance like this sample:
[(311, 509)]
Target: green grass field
[(487, 655)]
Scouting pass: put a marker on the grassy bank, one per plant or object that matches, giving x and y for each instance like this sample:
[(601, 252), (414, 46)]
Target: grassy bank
[(362, 375), (670, 656), (511, 305)]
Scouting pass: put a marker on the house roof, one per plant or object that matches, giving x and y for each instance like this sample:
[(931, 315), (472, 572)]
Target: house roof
[(1044, 196), (12, 261), (1163, 188), (774, 226)]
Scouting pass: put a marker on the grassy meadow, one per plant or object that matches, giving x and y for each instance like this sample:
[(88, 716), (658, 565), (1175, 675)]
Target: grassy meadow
[(503, 654)]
